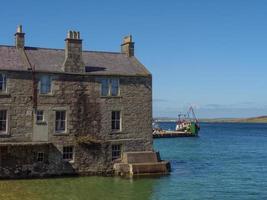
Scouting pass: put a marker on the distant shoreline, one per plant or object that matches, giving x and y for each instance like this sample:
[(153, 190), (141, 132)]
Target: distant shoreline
[(261, 119)]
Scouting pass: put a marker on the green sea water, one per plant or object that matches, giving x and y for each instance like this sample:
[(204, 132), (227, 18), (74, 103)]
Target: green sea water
[(227, 161)]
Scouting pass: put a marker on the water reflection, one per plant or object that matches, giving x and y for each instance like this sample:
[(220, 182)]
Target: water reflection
[(92, 188)]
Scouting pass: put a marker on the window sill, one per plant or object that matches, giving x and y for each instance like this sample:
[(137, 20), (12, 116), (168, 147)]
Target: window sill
[(68, 161), (61, 134), (47, 95), (110, 97), (2, 134), (114, 132), (4, 94), (41, 123)]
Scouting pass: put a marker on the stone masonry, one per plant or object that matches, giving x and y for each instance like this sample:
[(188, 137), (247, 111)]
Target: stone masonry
[(76, 88)]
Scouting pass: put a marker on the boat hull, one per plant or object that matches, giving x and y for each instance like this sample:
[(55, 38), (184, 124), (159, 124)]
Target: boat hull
[(170, 134)]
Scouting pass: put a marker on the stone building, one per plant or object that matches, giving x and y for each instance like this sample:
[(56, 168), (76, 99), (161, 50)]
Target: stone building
[(70, 111)]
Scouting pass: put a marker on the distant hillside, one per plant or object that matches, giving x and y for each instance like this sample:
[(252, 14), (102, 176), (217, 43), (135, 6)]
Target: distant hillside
[(261, 119), (165, 119)]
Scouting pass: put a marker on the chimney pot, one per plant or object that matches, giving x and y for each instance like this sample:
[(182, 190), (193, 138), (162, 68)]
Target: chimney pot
[(75, 35), (19, 29), (70, 35)]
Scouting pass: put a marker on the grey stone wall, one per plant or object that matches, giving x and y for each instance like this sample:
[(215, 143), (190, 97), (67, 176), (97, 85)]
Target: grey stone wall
[(88, 114)]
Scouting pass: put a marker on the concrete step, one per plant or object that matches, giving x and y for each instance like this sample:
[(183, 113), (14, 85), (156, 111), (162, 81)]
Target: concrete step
[(140, 157), (149, 168), (140, 163)]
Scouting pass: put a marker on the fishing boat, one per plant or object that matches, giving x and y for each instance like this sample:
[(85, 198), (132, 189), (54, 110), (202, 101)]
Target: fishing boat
[(187, 125)]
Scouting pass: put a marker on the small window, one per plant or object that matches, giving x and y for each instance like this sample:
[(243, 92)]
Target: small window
[(116, 151), (3, 121), (114, 87), (60, 121), (40, 116), (104, 87), (2, 83), (68, 153), (45, 84), (40, 157), (116, 120)]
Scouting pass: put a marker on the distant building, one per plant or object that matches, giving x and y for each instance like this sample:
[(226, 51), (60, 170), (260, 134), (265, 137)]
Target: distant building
[(69, 111)]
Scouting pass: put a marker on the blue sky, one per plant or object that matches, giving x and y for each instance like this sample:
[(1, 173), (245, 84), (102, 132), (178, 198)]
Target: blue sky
[(210, 53)]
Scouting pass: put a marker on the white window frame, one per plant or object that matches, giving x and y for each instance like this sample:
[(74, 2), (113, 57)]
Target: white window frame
[(3, 83), (115, 151), (68, 153), (115, 120), (37, 115), (118, 87), (41, 78), (65, 121), (109, 87), (6, 122), (102, 86)]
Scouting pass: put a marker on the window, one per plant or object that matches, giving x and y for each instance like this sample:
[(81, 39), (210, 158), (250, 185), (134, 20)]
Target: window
[(3, 121), (68, 153), (114, 87), (39, 116), (45, 84), (116, 151), (104, 87), (116, 120), (2, 83), (40, 157), (110, 87), (60, 121)]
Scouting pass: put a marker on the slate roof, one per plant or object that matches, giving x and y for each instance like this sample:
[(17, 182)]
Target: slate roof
[(51, 60)]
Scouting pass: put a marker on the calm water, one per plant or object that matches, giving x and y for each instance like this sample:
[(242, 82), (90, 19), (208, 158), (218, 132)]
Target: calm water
[(227, 161)]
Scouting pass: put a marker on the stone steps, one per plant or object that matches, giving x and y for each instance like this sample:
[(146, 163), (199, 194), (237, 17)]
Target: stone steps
[(141, 163)]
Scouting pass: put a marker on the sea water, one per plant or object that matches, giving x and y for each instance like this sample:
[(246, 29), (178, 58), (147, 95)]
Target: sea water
[(227, 161)]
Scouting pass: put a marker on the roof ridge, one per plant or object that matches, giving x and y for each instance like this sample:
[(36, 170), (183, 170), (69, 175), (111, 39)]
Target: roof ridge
[(59, 49), (111, 52), (3, 45)]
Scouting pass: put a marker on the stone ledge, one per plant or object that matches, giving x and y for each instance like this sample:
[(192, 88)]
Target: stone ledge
[(140, 157), (4, 95), (23, 143), (162, 167)]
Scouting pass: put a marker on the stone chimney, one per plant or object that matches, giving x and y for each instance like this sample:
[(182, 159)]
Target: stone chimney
[(127, 46), (73, 53), (19, 38)]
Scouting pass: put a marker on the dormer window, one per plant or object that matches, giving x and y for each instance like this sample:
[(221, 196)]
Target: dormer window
[(45, 84), (110, 87), (2, 83)]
